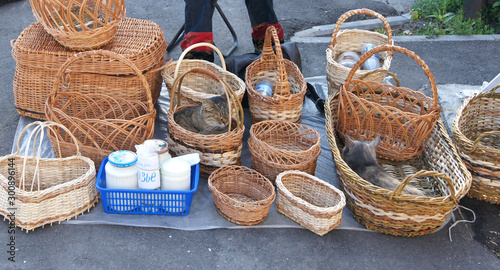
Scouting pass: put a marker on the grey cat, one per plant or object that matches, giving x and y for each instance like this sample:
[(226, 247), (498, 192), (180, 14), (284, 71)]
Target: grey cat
[(211, 117), (361, 157)]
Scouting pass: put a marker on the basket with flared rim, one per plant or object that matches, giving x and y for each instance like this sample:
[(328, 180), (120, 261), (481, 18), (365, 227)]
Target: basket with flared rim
[(80, 24), (241, 195), (403, 118), (46, 190), (476, 132), (289, 89), (216, 150), (352, 40), (198, 87), (101, 123)]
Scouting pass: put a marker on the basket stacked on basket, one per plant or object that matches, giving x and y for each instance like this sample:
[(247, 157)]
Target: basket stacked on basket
[(352, 40), (37, 191), (289, 84), (38, 55), (476, 132)]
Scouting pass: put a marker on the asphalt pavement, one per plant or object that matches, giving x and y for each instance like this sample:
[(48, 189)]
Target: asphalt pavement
[(453, 60)]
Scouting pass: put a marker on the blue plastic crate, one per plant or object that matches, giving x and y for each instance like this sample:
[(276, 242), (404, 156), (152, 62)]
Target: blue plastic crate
[(150, 202)]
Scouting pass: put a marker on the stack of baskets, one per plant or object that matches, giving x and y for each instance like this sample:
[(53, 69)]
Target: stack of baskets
[(476, 131)]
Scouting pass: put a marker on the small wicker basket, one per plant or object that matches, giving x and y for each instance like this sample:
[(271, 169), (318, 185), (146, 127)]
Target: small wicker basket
[(311, 202), (476, 131), (241, 195)]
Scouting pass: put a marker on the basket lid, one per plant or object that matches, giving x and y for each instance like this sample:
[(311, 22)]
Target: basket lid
[(122, 158)]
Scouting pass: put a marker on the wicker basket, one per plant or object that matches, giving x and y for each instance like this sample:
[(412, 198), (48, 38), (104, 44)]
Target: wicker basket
[(80, 24), (216, 150), (197, 87), (39, 191), (353, 40), (290, 85), (38, 55), (476, 132), (278, 146), (311, 202), (399, 214), (241, 195), (403, 118), (101, 123)]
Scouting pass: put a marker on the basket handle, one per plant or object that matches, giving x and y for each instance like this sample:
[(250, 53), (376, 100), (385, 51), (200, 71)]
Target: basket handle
[(484, 134), (392, 48), (282, 87), (13, 43), (363, 11), (103, 54), (421, 173), (230, 94), (202, 44)]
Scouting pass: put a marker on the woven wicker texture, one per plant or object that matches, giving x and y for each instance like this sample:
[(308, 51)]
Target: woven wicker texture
[(39, 56), (289, 84), (45, 190), (198, 87), (241, 195), (353, 40), (101, 123), (310, 201), (80, 24), (216, 150), (399, 214), (403, 118), (476, 132), (278, 146)]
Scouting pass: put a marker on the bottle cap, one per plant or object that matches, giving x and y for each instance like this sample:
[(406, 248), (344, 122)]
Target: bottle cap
[(175, 167), (122, 158)]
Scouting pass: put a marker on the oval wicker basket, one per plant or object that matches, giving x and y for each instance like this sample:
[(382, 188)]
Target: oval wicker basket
[(310, 201), (277, 146), (399, 214), (101, 123), (476, 132), (80, 24), (241, 195), (216, 150), (352, 40), (290, 85)]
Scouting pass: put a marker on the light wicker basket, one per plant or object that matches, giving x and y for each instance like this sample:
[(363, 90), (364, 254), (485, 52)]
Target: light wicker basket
[(241, 195), (80, 24), (445, 179), (37, 191), (476, 132), (310, 201), (352, 40), (290, 85)]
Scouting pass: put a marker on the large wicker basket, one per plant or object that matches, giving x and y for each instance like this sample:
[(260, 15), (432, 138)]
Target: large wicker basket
[(38, 191), (216, 150), (446, 181), (476, 132), (198, 87), (352, 40), (278, 146), (101, 123), (38, 55), (403, 118), (290, 85), (80, 24), (310, 201), (241, 195)]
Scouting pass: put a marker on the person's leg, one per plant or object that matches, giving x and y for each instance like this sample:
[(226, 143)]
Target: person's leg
[(198, 28), (262, 15)]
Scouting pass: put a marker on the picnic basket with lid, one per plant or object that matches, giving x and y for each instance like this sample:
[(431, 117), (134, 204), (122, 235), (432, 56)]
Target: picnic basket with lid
[(216, 150), (101, 123), (80, 24), (352, 40), (476, 132), (403, 118), (289, 84), (37, 191)]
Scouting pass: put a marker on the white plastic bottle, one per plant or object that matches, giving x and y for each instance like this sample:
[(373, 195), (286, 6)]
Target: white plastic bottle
[(121, 173), (148, 165), (348, 59), (265, 87), (374, 61)]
